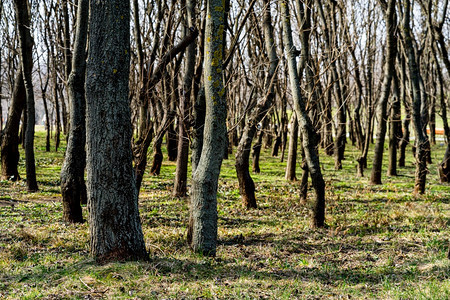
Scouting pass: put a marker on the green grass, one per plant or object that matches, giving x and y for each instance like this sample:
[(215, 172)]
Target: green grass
[(381, 242)]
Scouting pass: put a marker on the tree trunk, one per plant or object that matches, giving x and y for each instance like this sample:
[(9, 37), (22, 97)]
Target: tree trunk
[(414, 75), (57, 108), (180, 183), (199, 115), (389, 68), (258, 145), (73, 187), (246, 184), (202, 230), (172, 146), (444, 166), (10, 137), (304, 179), (404, 141), (26, 48), (292, 154), (114, 222), (309, 138), (394, 128)]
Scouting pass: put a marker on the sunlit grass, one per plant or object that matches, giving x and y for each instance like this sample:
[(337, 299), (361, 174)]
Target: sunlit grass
[(381, 241)]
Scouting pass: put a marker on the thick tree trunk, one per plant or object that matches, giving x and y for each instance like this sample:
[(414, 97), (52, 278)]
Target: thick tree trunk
[(389, 69), (202, 230), (10, 137), (114, 222), (73, 187), (309, 138), (26, 48)]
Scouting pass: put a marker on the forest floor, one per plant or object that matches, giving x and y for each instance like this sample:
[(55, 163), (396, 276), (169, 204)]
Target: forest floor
[(381, 242)]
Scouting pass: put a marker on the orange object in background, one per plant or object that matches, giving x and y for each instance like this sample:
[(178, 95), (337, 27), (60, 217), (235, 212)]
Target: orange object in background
[(439, 131)]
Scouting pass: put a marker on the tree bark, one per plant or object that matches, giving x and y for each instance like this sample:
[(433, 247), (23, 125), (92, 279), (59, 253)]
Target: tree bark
[(10, 136), (202, 230), (73, 187), (389, 68), (404, 141), (180, 183), (246, 184), (26, 48), (292, 154), (395, 128), (414, 75), (309, 138), (114, 223)]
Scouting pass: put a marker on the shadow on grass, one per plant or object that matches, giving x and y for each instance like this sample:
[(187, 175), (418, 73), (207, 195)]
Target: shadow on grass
[(328, 274)]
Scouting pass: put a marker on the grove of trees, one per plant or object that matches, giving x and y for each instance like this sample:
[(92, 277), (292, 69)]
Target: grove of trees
[(214, 78)]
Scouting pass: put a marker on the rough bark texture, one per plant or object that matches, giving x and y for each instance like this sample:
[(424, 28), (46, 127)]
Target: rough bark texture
[(391, 49), (26, 48), (202, 230), (246, 184), (73, 187), (180, 183), (414, 75), (114, 224), (309, 138), (10, 136)]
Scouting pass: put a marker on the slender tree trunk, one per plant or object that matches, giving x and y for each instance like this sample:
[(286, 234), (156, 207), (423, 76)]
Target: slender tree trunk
[(180, 184), (256, 153), (114, 222), (57, 108), (199, 116), (309, 138), (414, 75), (47, 117), (394, 128), (246, 184), (292, 154), (339, 143), (73, 187), (26, 48), (202, 230), (404, 141), (389, 69), (10, 136)]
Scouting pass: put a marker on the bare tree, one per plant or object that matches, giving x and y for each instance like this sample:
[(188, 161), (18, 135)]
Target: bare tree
[(309, 136), (202, 229), (26, 48), (73, 187)]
